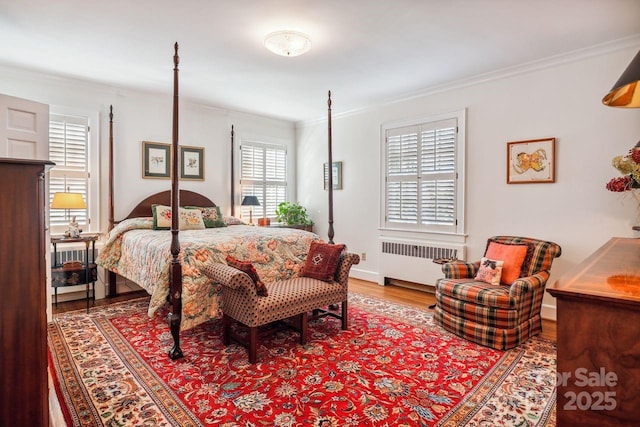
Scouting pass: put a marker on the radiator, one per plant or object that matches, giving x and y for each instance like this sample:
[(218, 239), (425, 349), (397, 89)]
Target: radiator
[(412, 260), (71, 255)]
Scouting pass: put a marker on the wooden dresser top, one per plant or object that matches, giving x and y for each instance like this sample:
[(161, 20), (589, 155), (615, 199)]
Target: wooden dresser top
[(611, 273)]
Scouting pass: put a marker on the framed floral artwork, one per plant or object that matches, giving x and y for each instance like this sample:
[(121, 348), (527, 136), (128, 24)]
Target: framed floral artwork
[(191, 163), (336, 176), (531, 161), (156, 160)]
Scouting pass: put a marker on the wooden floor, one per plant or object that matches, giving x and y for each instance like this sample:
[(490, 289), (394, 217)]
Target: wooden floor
[(81, 304), (393, 293)]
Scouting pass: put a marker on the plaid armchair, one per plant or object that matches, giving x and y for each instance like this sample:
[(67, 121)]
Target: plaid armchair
[(497, 316)]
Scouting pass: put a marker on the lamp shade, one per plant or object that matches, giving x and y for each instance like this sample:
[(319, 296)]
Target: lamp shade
[(287, 43), (250, 201), (68, 201), (626, 92)]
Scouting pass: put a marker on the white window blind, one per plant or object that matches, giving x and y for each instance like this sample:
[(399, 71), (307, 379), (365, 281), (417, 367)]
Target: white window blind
[(69, 150), (420, 176), (263, 173)]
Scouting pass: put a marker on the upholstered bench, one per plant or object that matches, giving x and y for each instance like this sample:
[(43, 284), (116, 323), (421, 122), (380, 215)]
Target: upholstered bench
[(292, 298)]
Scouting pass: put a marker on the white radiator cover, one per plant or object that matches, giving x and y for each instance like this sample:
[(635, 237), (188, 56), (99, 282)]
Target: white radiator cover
[(412, 260)]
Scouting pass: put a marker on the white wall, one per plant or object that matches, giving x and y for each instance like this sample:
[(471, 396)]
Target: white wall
[(560, 99), (141, 116)]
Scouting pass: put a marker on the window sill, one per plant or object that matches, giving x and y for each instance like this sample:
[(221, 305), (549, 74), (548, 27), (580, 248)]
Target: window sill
[(441, 236)]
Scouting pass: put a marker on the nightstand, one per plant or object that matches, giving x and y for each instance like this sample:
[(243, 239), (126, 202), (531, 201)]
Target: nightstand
[(72, 273), (296, 226)]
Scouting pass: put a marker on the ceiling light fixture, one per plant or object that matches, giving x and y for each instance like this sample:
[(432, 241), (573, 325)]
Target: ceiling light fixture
[(287, 43)]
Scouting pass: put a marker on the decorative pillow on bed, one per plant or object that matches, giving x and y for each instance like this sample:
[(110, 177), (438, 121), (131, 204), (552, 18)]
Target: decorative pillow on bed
[(322, 261), (190, 219), (211, 216), (232, 220), (490, 271), (248, 268)]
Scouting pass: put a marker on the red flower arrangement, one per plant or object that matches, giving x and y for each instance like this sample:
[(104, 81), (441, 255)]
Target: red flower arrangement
[(629, 165)]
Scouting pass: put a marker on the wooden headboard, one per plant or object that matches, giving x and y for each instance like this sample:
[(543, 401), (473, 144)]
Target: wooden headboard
[(187, 198)]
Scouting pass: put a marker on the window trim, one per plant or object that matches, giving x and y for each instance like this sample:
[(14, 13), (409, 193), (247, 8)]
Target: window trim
[(459, 228), (93, 160)]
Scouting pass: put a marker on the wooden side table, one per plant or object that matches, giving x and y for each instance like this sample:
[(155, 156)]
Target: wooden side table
[(296, 226), (72, 273)]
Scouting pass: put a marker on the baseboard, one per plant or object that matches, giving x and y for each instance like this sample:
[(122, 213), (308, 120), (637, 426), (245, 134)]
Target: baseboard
[(548, 312), (361, 274)]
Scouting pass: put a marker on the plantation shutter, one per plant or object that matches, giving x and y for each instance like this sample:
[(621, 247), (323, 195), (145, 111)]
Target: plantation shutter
[(421, 176), (68, 149), (263, 174), (402, 175), (438, 174)]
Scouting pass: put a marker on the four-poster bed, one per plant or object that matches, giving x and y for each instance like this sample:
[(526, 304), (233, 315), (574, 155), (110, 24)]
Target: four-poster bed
[(169, 264)]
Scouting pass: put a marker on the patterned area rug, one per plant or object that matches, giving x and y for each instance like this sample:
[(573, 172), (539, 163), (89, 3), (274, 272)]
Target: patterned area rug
[(393, 367)]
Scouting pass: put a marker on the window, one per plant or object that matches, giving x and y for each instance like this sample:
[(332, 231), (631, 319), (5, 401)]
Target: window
[(423, 164), (70, 148), (263, 173)]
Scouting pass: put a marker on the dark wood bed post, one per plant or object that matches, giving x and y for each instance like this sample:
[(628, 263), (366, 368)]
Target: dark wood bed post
[(174, 316), (111, 216), (330, 173), (111, 276), (233, 200)]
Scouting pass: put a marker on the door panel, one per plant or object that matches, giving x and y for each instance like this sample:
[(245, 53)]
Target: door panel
[(24, 128)]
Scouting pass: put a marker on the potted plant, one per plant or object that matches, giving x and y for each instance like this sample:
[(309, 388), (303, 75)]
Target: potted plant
[(294, 215)]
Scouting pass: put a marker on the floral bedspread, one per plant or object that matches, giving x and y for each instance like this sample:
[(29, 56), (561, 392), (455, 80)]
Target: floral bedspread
[(135, 251)]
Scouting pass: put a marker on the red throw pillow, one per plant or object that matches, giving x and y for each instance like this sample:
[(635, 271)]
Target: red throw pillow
[(322, 261), (248, 268), (513, 256)]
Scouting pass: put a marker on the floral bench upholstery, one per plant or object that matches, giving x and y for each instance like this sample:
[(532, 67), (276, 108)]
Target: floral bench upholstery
[(292, 298)]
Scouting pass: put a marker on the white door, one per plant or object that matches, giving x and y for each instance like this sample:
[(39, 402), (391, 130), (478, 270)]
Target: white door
[(24, 134), (24, 128)]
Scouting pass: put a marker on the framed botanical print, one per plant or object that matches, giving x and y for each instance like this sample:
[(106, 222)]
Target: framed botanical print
[(191, 163), (156, 160), (336, 177)]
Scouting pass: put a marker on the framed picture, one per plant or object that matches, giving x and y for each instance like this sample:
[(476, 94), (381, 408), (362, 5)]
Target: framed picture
[(191, 163), (336, 176), (156, 160), (531, 161)]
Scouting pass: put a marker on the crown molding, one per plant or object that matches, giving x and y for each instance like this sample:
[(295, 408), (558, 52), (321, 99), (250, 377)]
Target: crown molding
[(503, 73)]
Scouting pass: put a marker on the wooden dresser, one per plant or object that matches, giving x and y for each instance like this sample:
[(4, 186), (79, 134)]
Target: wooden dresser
[(598, 321), (23, 319)]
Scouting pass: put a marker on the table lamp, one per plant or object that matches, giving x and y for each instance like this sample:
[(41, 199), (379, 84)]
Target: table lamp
[(626, 92), (250, 201), (67, 201)]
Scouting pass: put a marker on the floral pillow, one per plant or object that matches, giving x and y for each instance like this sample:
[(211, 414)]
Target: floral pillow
[(247, 267), (211, 216), (490, 271), (190, 219)]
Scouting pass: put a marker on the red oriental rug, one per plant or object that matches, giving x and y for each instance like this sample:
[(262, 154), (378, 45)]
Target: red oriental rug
[(393, 367)]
